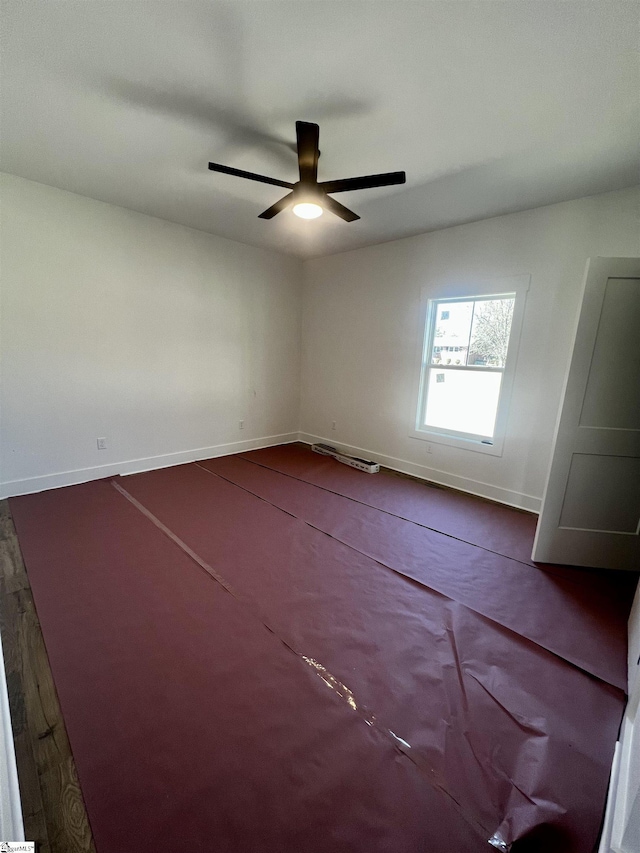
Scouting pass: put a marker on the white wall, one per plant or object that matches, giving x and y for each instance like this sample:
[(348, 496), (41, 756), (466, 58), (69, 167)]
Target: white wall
[(162, 338), (158, 337), (362, 330)]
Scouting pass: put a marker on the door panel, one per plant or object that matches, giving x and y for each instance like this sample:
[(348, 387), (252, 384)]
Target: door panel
[(616, 361), (608, 477)]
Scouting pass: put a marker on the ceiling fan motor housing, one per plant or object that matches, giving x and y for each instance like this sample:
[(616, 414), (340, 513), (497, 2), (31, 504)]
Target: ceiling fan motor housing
[(305, 193)]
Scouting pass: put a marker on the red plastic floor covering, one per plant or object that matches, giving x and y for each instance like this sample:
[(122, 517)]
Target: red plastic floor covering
[(581, 622), (473, 520), (469, 727), (459, 689), (192, 725)]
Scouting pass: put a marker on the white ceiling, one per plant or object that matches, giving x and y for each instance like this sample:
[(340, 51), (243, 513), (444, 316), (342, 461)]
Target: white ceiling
[(490, 107)]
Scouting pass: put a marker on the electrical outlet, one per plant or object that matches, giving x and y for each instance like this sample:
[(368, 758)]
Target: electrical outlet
[(428, 448), (241, 425), (333, 424), (102, 443)]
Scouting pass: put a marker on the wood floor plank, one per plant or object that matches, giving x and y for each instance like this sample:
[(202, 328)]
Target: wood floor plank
[(5, 512), (33, 812), (53, 808), (67, 824), (44, 718), (14, 572)]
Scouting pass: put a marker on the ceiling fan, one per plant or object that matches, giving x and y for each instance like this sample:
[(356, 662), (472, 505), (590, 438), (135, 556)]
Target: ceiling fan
[(308, 197)]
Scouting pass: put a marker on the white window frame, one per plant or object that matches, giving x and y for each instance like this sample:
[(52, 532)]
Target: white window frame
[(467, 291)]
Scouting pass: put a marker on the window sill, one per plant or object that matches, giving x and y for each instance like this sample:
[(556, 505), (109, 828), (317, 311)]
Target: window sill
[(473, 444)]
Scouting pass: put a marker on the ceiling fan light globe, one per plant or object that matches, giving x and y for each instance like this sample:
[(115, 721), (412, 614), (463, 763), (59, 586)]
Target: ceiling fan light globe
[(307, 210)]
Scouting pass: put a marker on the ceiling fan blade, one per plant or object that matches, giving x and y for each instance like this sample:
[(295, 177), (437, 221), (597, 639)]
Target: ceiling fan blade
[(228, 170), (307, 135), (366, 182), (340, 210), (278, 207)]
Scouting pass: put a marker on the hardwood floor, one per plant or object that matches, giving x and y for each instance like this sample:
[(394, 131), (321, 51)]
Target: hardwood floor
[(52, 805)]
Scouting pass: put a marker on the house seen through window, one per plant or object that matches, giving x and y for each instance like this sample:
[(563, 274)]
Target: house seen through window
[(465, 356)]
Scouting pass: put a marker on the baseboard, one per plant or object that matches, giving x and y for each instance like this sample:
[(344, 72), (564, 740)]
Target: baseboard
[(30, 485), (433, 475)]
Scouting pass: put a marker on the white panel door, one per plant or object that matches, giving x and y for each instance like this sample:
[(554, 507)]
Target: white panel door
[(591, 508)]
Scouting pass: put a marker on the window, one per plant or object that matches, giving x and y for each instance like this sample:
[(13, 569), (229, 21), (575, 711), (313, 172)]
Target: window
[(467, 367)]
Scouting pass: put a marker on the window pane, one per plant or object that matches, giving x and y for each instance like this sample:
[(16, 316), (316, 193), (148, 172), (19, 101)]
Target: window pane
[(490, 331), (451, 334), (463, 400)]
